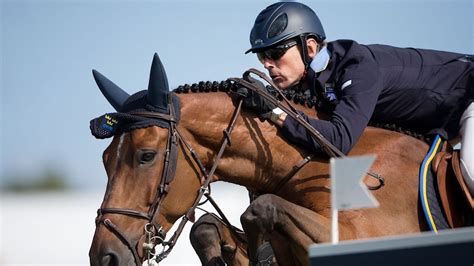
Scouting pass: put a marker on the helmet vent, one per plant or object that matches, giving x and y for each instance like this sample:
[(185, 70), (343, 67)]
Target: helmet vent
[(278, 26)]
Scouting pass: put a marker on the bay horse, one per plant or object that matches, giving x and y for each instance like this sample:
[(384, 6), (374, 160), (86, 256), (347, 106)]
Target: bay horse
[(145, 196)]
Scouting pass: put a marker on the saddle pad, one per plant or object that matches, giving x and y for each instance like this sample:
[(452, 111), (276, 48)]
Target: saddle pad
[(429, 196)]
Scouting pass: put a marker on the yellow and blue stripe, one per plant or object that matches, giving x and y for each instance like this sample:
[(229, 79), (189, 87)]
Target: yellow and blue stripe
[(424, 170)]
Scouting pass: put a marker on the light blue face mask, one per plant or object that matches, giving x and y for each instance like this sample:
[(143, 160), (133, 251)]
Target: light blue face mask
[(320, 62)]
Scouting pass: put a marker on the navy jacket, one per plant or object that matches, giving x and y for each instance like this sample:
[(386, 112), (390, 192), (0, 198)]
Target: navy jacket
[(422, 90)]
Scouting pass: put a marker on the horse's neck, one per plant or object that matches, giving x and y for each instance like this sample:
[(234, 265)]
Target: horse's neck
[(257, 158)]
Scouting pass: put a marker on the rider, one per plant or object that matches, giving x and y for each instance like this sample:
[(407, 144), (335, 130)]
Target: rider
[(430, 92)]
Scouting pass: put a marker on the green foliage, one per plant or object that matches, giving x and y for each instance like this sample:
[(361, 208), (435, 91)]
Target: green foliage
[(48, 180)]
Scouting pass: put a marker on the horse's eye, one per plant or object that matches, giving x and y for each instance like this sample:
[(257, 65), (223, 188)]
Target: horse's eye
[(147, 157)]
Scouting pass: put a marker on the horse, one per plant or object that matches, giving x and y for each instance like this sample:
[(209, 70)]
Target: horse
[(139, 204)]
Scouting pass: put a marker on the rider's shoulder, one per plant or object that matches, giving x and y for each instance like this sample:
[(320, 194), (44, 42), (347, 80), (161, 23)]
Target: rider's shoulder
[(347, 52)]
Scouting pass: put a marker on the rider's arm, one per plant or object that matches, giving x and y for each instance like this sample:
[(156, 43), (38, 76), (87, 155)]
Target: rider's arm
[(350, 117)]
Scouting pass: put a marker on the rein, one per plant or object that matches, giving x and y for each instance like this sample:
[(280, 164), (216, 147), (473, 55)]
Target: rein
[(291, 111), (154, 233)]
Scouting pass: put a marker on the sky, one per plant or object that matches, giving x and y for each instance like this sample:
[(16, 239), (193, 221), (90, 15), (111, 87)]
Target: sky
[(48, 49)]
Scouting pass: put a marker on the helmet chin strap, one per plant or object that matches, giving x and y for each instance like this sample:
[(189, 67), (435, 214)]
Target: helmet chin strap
[(305, 57), (304, 52)]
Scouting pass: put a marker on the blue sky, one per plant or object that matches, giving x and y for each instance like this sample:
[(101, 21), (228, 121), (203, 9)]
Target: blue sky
[(48, 49)]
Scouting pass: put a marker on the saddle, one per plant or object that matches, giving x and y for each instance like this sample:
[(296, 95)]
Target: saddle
[(456, 201)]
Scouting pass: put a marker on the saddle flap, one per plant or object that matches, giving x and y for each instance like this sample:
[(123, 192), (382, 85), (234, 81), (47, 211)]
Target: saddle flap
[(456, 200)]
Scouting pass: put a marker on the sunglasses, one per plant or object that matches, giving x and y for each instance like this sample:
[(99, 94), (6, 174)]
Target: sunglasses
[(276, 52)]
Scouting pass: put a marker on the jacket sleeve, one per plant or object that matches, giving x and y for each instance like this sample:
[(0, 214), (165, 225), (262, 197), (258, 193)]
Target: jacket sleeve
[(351, 115)]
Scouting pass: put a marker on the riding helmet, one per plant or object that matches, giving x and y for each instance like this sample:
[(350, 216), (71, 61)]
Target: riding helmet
[(282, 21)]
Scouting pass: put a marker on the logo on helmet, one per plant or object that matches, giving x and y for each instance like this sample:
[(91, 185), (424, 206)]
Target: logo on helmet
[(258, 41)]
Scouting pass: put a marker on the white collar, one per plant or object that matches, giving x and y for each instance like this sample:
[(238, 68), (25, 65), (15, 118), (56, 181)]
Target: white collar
[(320, 62)]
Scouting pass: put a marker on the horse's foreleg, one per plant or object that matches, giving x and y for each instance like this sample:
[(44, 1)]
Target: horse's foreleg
[(214, 243), (299, 227)]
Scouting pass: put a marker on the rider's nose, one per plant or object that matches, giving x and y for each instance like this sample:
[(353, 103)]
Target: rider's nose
[(268, 63)]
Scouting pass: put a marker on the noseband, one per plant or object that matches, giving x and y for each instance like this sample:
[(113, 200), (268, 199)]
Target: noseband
[(153, 232)]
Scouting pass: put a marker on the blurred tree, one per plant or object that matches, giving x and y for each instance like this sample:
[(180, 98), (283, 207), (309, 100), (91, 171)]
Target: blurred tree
[(47, 180)]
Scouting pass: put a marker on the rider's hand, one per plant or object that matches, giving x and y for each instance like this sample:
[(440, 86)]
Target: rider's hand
[(255, 102)]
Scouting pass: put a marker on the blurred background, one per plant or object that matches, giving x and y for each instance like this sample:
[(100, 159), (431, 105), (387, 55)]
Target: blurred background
[(51, 174)]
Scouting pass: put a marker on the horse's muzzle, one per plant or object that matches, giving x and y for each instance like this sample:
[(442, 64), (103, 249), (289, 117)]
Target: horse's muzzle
[(108, 251), (109, 258)]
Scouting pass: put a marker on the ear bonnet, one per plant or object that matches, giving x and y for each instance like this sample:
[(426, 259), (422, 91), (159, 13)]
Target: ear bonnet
[(157, 98)]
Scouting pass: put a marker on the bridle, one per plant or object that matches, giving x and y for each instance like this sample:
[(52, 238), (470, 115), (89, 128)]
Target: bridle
[(153, 232)]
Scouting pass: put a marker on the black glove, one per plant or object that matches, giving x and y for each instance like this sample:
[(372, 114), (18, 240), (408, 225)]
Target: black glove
[(255, 102)]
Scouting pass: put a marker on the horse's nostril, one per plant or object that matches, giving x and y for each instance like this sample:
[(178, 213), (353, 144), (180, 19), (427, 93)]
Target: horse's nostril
[(109, 260)]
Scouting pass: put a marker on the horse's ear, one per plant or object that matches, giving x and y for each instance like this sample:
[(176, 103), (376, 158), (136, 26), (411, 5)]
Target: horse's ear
[(113, 93), (158, 86)]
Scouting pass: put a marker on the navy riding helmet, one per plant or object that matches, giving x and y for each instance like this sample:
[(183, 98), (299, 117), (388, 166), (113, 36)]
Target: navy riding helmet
[(282, 21)]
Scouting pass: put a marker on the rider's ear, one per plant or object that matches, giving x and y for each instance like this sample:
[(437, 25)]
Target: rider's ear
[(312, 47)]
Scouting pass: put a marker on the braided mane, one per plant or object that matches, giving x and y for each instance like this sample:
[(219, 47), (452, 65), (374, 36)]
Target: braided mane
[(206, 86), (298, 97)]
